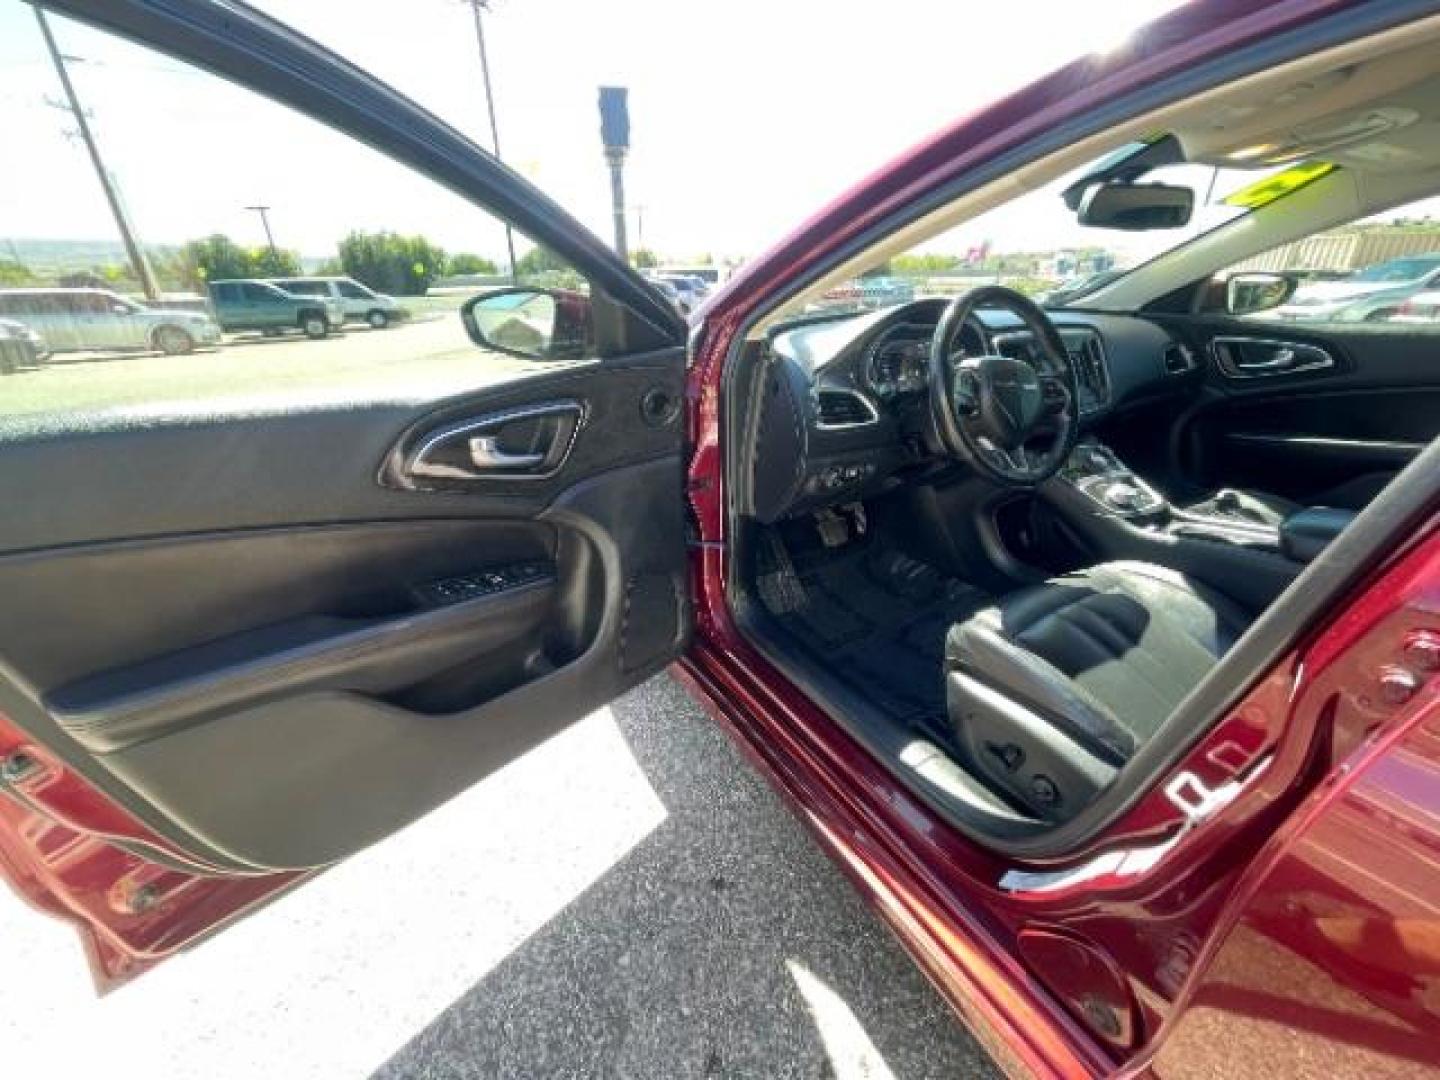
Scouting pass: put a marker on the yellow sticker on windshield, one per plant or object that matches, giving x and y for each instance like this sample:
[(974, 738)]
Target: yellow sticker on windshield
[(1263, 192)]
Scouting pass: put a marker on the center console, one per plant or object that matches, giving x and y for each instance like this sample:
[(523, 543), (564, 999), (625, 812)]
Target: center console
[(1114, 514), (1094, 471)]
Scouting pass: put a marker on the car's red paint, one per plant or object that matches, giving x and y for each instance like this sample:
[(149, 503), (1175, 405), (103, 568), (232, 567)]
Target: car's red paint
[(1319, 875), (77, 855)]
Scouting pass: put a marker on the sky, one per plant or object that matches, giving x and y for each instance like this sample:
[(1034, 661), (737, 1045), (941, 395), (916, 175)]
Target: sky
[(746, 116)]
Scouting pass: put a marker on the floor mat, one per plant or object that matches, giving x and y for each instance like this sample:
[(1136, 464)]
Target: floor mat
[(875, 617)]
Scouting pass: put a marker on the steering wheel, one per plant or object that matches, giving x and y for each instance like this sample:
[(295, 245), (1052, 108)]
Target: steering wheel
[(991, 411)]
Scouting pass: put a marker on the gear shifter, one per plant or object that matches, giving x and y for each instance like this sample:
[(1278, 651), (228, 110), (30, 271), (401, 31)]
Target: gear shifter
[(1124, 497), (1095, 470)]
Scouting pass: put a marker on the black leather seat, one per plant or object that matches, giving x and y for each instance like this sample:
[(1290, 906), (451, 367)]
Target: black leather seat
[(1054, 688)]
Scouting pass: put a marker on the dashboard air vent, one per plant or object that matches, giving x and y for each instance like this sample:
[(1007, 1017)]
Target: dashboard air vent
[(844, 408), (1179, 359)]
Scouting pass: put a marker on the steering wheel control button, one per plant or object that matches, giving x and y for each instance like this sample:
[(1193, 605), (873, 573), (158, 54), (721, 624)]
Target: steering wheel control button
[(967, 394)]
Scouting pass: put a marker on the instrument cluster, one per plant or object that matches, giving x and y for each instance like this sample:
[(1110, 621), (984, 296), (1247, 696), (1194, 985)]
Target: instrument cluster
[(898, 363)]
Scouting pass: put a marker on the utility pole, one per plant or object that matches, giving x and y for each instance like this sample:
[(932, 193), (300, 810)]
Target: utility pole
[(475, 7), (107, 182), (264, 212)]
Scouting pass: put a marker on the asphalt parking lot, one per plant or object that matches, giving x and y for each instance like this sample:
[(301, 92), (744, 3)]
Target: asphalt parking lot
[(418, 360), (629, 900)]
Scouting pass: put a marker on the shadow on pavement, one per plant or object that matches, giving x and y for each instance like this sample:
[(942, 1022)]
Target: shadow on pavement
[(725, 944)]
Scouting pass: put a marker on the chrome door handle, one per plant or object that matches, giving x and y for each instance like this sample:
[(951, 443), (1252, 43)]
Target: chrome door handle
[(470, 449), (485, 452), (1283, 360), (1253, 358)]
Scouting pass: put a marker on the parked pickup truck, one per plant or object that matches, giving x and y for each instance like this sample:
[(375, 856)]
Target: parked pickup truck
[(258, 305)]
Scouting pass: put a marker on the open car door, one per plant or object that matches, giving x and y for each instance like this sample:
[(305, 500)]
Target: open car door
[(265, 605)]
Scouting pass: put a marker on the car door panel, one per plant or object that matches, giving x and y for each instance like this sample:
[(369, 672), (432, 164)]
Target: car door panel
[(1333, 434), (246, 633), (270, 670), (316, 459)]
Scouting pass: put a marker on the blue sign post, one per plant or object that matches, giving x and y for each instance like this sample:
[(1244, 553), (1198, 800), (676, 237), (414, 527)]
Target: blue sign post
[(615, 135)]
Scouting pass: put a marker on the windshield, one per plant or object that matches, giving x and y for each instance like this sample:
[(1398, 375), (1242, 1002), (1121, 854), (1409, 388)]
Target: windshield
[(1035, 244)]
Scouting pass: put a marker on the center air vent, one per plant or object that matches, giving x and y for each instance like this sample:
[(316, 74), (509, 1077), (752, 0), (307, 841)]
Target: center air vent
[(1087, 359), (844, 408)]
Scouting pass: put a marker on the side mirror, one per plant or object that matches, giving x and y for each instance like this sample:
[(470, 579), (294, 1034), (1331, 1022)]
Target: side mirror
[(1135, 207), (538, 324), (1250, 292)]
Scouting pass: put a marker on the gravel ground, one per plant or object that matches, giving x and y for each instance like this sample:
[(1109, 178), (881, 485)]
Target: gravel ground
[(629, 900)]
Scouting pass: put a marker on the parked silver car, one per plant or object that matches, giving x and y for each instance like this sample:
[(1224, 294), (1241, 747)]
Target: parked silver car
[(74, 319), (1373, 294), (20, 347)]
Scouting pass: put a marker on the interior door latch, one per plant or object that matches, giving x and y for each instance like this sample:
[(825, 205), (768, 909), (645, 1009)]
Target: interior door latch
[(530, 442)]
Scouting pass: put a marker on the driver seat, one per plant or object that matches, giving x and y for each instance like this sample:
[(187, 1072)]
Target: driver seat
[(1053, 689)]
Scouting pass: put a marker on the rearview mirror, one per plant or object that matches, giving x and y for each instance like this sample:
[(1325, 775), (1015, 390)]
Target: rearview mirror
[(538, 324), (1250, 292), (1135, 207)]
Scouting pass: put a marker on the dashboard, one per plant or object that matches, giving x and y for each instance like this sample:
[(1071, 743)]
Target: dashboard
[(844, 409)]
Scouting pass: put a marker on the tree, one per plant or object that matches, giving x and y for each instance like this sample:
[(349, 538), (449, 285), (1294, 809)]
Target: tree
[(924, 265), (538, 262), (217, 257), (213, 259), (644, 259), (468, 263), (15, 273), (169, 267), (391, 263), (265, 262)]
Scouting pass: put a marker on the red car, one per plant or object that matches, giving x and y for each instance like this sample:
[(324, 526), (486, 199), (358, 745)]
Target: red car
[(1097, 642)]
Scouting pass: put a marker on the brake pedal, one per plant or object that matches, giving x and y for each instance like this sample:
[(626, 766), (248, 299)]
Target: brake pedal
[(834, 528), (779, 586)]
